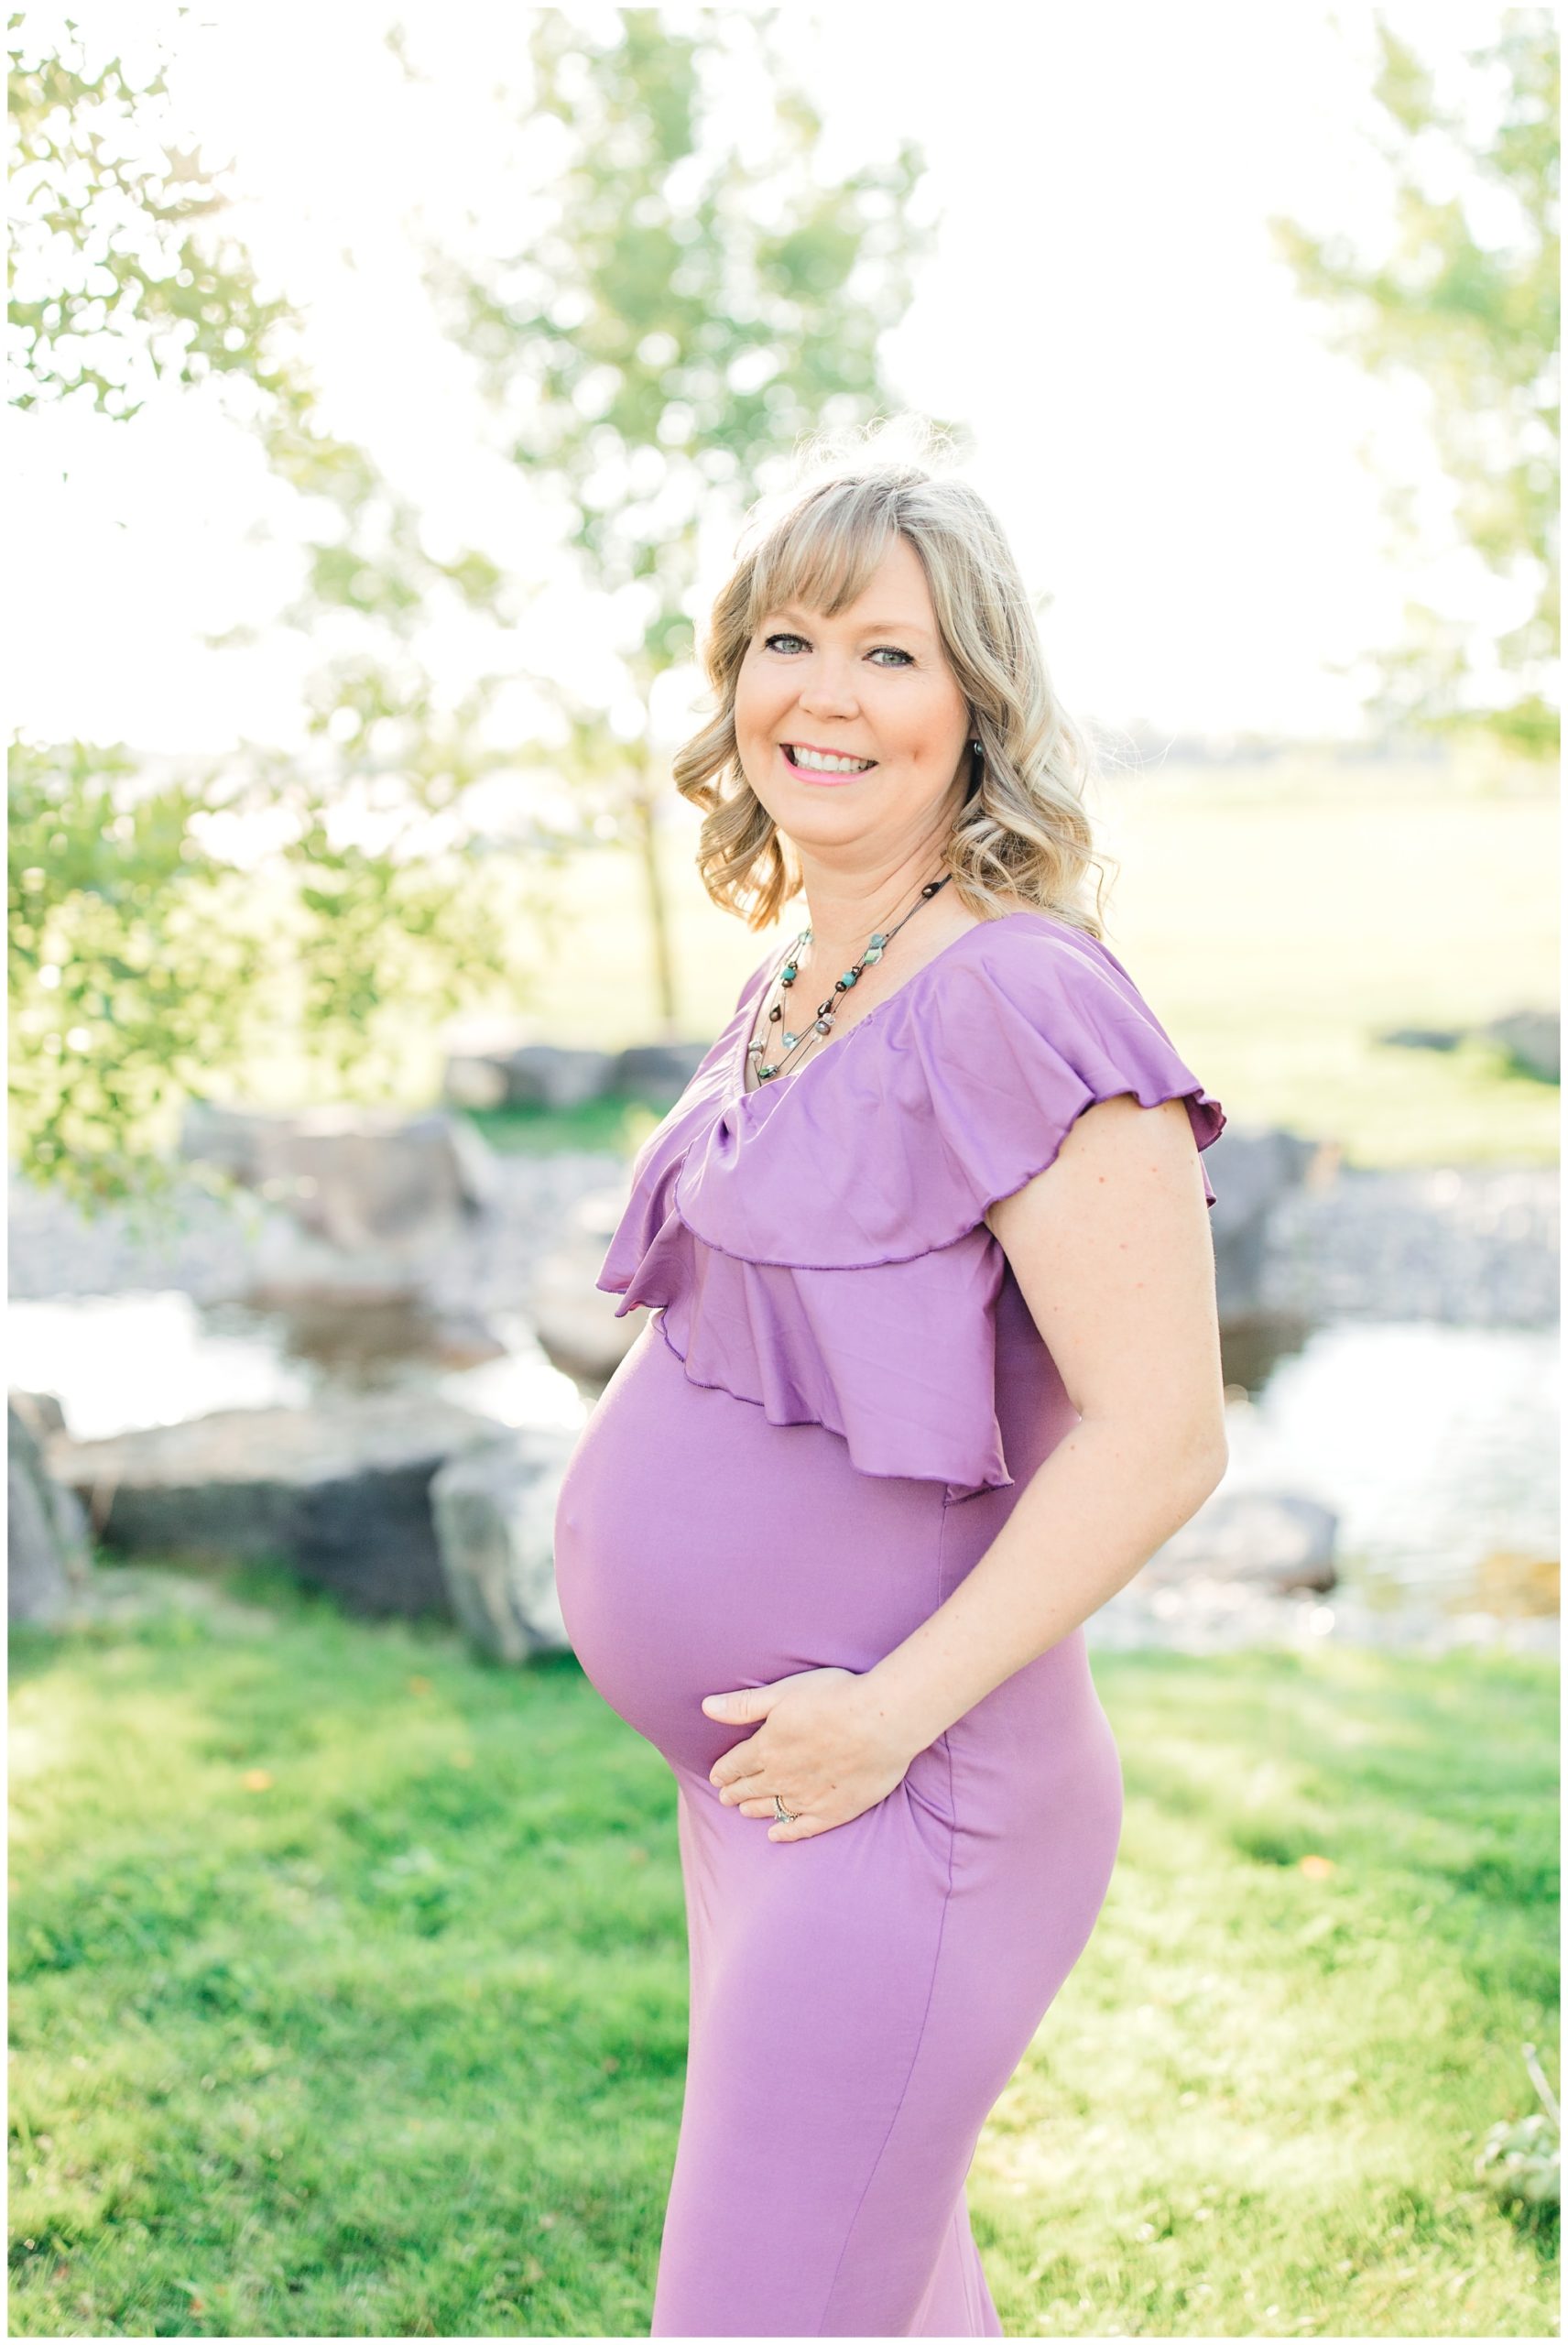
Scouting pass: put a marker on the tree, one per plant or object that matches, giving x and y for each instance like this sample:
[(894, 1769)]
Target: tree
[(121, 273), (1466, 298), (684, 315), (691, 300), (143, 965), (120, 926)]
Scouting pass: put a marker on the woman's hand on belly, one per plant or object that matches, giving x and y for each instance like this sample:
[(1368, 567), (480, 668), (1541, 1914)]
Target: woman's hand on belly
[(824, 1745)]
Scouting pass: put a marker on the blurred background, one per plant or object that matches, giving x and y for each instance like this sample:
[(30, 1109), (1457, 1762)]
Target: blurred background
[(387, 386)]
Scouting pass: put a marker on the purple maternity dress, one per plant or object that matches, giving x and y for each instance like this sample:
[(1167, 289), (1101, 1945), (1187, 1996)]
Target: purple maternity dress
[(824, 1423)]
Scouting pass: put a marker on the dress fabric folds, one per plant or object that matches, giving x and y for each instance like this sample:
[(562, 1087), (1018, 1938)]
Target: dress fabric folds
[(821, 1429)]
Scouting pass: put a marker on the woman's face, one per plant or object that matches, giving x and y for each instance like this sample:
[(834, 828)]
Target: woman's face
[(868, 695)]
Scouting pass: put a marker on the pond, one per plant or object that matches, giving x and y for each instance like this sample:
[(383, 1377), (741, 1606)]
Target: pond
[(119, 1362), (1436, 1446)]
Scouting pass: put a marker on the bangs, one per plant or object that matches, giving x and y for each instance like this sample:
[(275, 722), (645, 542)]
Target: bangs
[(824, 553)]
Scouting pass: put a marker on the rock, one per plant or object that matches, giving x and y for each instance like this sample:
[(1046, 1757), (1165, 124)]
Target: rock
[(1422, 1038), (1532, 1039), (578, 1329), (548, 1074), (339, 1491), (1514, 1587), (353, 1175), (574, 1319), (659, 1072), (460, 1338), (498, 1061), (366, 1201), (495, 1517), (214, 1247), (231, 1138), (42, 1412), (1251, 1172), (1272, 1538), (49, 1562), (560, 1076), (1471, 1246), (470, 1082)]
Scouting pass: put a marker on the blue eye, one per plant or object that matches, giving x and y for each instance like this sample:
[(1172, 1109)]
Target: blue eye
[(881, 651)]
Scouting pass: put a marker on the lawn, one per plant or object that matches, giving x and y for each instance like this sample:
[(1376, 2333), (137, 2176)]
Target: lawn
[(348, 1995)]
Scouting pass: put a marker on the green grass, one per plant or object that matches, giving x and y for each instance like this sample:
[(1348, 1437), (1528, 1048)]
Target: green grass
[(350, 1998), (1253, 2108), (1290, 914), (617, 1126)]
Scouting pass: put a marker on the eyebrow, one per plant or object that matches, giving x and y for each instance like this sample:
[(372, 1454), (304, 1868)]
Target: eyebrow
[(871, 627)]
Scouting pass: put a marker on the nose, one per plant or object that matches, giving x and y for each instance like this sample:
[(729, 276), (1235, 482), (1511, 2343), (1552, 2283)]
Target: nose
[(829, 689)]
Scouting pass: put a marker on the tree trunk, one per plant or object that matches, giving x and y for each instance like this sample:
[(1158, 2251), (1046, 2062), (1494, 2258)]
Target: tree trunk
[(645, 832)]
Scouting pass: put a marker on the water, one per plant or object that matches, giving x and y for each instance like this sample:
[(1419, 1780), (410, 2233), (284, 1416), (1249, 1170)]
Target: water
[(1436, 1446), (118, 1363)]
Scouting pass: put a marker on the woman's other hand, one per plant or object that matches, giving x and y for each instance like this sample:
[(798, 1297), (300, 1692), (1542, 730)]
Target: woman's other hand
[(826, 1745)]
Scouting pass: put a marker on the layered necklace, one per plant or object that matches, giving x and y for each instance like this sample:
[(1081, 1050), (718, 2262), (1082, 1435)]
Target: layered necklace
[(778, 1046)]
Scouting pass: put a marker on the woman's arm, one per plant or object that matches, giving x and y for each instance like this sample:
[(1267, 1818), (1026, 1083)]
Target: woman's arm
[(1111, 1248)]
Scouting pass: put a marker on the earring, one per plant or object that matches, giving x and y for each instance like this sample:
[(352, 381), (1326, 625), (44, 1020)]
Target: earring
[(976, 747)]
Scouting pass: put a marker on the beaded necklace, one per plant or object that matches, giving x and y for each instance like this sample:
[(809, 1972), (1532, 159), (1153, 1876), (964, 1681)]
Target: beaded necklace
[(796, 1045)]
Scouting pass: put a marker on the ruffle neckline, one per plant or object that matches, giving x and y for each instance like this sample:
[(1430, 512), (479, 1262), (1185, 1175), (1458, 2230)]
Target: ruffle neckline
[(818, 1246)]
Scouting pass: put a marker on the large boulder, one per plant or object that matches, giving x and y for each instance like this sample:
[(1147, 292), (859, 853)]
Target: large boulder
[(574, 1319), (367, 1200), (555, 1076), (1251, 1172), (49, 1558), (469, 1080), (494, 1516), (1272, 1539), (339, 1491), (496, 1062), (1532, 1039), (1472, 1245), (659, 1072)]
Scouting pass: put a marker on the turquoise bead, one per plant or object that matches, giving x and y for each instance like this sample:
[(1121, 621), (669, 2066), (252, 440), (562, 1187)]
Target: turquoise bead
[(848, 978)]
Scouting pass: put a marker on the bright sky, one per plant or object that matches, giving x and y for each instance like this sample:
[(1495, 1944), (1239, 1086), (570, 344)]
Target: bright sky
[(1155, 414)]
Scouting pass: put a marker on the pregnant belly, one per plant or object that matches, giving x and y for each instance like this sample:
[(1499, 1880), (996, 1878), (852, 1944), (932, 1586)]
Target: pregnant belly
[(700, 1548)]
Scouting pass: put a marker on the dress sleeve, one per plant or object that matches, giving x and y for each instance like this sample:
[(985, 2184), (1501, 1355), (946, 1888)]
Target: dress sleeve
[(1016, 1041)]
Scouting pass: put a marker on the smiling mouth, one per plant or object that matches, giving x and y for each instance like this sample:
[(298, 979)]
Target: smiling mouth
[(824, 761)]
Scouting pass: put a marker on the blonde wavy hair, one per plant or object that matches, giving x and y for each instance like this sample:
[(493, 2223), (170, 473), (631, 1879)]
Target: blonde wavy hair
[(1022, 833)]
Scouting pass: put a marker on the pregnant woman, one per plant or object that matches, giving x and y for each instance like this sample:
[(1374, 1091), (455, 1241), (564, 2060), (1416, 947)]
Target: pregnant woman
[(931, 1369)]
